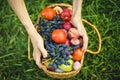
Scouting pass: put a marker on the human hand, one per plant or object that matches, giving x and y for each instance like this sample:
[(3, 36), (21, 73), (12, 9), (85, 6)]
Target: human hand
[(38, 50), (82, 32), (20, 9), (77, 22)]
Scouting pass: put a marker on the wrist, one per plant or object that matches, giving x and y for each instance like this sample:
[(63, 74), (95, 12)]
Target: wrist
[(32, 33), (30, 29)]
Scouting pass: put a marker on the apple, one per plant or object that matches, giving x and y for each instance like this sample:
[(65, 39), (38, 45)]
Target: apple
[(67, 68)]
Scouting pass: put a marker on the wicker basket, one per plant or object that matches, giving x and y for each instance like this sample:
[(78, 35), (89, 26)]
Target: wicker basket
[(74, 72)]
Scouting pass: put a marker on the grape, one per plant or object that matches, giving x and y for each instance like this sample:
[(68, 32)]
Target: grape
[(60, 48), (58, 62), (58, 70), (67, 57), (57, 55), (63, 45), (49, 65), (52, 49), (62, 61), (52, 54), (55, 22), (66, 51), (52, 46), (64, 56), (54, 65), (55, 44), (75, 47), (47, 30), (48, 47), (57, 18), (55, 26), (53, 29), (67, 63), (48, 23), (60, 22), (70, 52), (41, 22)]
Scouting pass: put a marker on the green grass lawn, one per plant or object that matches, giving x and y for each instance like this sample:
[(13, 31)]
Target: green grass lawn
[(105, 14)]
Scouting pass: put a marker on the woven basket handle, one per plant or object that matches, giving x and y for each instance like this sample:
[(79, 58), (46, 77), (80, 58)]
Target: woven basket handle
[(99, 37)]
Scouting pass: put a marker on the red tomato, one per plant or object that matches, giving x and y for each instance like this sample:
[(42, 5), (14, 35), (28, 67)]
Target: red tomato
[(59, 36), (77, 54), (48, 13)]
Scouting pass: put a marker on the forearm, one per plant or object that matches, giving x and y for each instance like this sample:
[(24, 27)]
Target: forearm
[(20, 9), (77, 6)]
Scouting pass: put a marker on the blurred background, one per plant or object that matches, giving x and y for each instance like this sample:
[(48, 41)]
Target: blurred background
[(105, 14)]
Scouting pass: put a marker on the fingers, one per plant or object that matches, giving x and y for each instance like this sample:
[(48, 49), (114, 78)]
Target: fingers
[(85, 43), (83, 33), (41, 47), (39, 64), (37, 58)]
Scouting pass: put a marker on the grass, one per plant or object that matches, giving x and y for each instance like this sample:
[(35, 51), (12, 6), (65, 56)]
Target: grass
[(105, 14)]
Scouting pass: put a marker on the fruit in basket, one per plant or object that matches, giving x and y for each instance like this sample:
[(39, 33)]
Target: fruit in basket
[(59, 36), (76, 65), (58, 70), (77, 54), (67, 42), (75, 41), (58, 9), (73, 33), (61, 40), (68, 66), (66, 15), (47, 63), (48, 13), (67, 25), (51, 68)]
